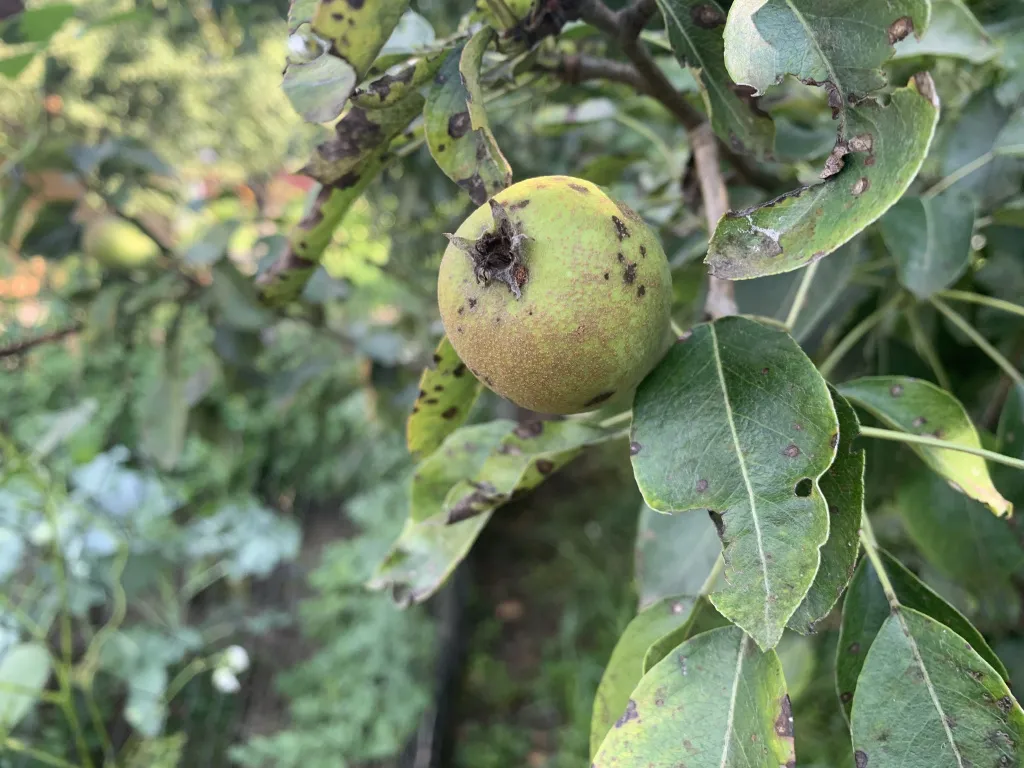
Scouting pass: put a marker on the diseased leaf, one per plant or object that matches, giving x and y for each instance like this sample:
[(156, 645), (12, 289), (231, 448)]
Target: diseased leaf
[(358, 137), (432, 544), (460, 456), (737, 420), (881, 156), (674, 554), (843, 487), (446, 395), (839, 44), (925, 698), (953, 31), (456, 129), (959, 536), (866, 609), (695, 29), (356, 31), (398, 82), (921, 408), (716, 701), (24, 670), (523, 460), (930, 239), (428, 548), (625, 666)]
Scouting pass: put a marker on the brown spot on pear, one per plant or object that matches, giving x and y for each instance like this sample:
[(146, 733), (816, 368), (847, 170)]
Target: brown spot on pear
[(569, 336)]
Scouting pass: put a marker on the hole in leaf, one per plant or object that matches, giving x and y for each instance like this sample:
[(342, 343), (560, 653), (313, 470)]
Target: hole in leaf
[(803, 488)]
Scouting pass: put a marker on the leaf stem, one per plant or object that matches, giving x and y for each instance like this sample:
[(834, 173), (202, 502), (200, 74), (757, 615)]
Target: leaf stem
[(964, 170), (867, 539), (618, 418), (859, 331), (676, 329), (934, 442), (712, 577), (801, 295), (980, 341), (988, 301)]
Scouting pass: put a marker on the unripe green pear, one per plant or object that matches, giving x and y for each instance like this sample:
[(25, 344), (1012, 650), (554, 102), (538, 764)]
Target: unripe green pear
[(555, 296), (119, 244)]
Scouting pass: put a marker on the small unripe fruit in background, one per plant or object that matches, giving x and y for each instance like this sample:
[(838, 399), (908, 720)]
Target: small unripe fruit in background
[(119, 244), (555, 296)]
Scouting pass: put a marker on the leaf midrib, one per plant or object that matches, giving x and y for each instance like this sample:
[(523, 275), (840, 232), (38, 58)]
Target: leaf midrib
[(732, 701), (743, 470)]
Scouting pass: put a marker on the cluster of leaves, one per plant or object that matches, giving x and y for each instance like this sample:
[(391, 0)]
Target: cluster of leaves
[(912, 213)]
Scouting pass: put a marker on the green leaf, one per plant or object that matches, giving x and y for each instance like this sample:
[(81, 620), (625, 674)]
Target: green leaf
[(703, 618), (843, 487), (959, 536), (213, 245), (925, 698), (318, 89), (40, 24), (953, 32), (838, 44), (24, 670), (485, 475), (716, 701), (1010, 435), (625, 666), (866, 609), (695, 29), (398, 82), (459, 457), (456, 129), (236, 299), (719, 425), (12, 66), (879, 156), (163, 408), (674, 554), (921, 408), (446, 395), (930, 239), (357, 32)]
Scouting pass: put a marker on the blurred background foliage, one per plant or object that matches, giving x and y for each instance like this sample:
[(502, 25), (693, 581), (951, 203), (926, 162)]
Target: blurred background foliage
[(194, 488)]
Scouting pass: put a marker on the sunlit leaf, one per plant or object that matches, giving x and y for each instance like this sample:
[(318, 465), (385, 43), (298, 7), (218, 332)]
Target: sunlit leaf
[(881, 155), (24, 670), (843, 487), (930, 240), (397, 82), (446, 395), (625, 666), (37, 25), (866, 609), (954, 32), (674, 554), (716, 701), (695, 28), (457, 134), (738, 421), (921, 408), (839, 44), (357, 31), (922, 685)]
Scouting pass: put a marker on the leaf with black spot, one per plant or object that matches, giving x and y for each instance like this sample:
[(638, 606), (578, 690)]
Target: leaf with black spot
[(695, 30), (625, 666), (870, 168), (866, 609), (843, 487), (731, 421), (451, 391), (921, 408), (429, 548), (838, 44), (457, 132), (926, 699), (714, 701)]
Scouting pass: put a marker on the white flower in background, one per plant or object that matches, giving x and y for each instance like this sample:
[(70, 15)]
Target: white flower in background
[(224, 680), (236, 659), (41, 534)]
